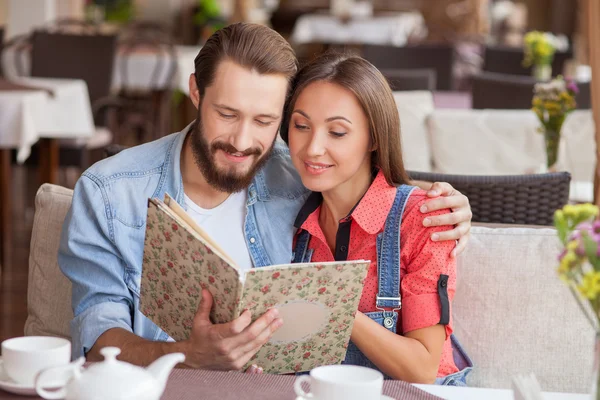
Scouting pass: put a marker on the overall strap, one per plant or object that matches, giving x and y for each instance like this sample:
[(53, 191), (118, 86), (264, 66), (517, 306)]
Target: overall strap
[(388, 252), (301, 253)]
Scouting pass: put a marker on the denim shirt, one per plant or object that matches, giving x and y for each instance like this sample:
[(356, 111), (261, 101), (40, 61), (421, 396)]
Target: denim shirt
[(102, 240)]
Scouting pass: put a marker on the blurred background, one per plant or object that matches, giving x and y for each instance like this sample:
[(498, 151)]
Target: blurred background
[(78, 77)]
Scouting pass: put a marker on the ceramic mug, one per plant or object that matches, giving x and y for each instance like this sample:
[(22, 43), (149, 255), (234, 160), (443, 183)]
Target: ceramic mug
[(24, 357), (341, 382)]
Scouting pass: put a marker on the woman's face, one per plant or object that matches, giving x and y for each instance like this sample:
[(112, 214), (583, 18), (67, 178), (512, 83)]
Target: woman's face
[(329, 138)]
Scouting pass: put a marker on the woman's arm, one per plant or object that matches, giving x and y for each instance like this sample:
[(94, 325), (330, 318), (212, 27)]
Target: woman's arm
[(413, 358)]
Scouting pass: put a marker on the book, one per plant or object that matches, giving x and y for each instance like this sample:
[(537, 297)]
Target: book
[(317, 301)]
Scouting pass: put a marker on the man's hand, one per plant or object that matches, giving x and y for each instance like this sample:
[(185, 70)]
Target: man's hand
[(448, 197), (227, 346)]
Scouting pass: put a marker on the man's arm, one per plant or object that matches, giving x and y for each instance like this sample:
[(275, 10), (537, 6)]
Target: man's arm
[(103, 304), (445, 196)]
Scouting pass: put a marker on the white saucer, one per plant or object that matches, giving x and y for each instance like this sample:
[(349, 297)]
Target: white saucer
[(11, 386)]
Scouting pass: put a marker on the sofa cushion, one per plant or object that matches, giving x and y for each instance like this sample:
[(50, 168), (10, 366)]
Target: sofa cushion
[(49, 291), (414, 108), (513, 314)]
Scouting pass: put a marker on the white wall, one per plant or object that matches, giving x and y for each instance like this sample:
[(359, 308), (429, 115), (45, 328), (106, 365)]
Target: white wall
[(24, 15)]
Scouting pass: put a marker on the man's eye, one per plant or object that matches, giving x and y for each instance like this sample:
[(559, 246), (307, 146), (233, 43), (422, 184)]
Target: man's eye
[(263, 123), (227, 116)]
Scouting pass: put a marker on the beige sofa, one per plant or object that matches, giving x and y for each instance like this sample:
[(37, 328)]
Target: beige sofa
[(511, 312)]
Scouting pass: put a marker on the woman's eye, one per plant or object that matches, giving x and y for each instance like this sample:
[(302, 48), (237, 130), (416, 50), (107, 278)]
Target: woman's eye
[(301, 127), (338, 134)]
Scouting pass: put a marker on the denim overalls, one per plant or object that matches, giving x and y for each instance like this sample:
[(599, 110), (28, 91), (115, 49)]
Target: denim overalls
[(388, 296)]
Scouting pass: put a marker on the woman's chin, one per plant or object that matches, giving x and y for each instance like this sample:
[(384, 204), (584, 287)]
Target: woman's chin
[(316, 184)]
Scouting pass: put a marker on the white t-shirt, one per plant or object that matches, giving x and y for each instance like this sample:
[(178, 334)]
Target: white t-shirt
[(225, 225)]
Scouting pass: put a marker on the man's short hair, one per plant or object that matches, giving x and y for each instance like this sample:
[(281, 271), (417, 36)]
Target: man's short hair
[(253, 46)]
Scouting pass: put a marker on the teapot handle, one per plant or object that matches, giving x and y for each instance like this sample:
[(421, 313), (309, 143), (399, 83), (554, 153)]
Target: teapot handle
[(61, 393)]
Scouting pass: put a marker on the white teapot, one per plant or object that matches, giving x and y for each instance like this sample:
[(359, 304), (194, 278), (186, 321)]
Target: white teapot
[(109, 379)]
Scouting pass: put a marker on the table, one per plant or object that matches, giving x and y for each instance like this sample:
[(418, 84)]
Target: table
[(383, 30), (139, 71), (208, 385), (461, 393), (53, 109)]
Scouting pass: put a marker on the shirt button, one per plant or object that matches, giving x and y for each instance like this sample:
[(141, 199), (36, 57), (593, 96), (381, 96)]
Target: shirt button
[(343, 248), (252, 240)]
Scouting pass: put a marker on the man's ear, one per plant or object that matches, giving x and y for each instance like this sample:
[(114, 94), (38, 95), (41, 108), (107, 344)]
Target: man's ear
[(194, 92)]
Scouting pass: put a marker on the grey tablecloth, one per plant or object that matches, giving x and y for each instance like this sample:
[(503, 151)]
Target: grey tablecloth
[(208, 385)]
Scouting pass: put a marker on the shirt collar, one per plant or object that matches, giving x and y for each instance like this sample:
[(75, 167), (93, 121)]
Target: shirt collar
[(371, 211)]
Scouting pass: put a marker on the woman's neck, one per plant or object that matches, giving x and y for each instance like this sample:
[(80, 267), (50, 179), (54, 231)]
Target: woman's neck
[(339, 201)]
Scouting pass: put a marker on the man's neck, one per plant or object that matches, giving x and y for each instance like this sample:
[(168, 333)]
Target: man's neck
[(194, 183)]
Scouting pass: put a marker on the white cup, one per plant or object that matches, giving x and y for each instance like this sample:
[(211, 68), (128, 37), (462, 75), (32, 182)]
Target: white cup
[(24, 357), (341, 382)]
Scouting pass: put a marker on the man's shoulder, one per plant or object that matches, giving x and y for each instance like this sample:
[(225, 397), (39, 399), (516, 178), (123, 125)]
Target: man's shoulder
[(134, 162), (280, 177)]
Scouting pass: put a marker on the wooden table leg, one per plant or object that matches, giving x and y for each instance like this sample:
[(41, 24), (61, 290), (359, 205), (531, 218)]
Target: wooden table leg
[(5, 208), (49, 160)]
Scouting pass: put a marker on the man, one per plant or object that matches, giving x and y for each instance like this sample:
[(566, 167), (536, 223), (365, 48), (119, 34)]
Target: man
[(229, 174)]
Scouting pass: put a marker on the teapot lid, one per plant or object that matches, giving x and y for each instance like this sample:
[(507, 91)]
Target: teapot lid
[(112, 379)]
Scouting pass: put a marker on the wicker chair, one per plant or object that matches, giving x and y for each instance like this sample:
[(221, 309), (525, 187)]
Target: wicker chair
[(513, 199), (410, 79), (508, 60), (438, 57)]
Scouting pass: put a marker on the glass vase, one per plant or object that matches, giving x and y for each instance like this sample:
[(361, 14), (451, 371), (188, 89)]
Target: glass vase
[(552, 140), (542, 72)]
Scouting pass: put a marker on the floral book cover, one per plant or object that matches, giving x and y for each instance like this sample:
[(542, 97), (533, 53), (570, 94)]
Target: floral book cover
[(317, 301)]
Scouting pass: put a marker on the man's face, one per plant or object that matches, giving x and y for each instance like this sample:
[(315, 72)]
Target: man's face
[(238, 120)]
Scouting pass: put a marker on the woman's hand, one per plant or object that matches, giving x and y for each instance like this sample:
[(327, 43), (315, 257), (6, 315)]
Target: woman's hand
[(254, 369), (445, 196)]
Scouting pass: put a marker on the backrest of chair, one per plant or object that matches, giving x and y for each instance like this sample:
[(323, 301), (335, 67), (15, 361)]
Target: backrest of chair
[(162, 54), (513, 315), (74, 56), (511, 199), (437, 57), (501, 91), (410, 79), (48, 290), (584, 97), (509, 60)]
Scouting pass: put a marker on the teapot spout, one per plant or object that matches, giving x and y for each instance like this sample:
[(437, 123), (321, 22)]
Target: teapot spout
[(161, 368)]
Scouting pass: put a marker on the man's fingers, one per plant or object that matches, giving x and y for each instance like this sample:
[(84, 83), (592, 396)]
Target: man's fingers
[(440, 189), (252, 330), (462, 245), (442, 203), (203, 312), (457, 233), (443, 220), (263, 336)]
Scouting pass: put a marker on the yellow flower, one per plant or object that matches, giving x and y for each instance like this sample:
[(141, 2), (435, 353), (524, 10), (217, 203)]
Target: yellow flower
[(572, 245), (590, 285)]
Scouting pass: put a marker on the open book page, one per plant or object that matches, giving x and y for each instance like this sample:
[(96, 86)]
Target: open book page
[(177, 264), (317, 302), (180, 212)]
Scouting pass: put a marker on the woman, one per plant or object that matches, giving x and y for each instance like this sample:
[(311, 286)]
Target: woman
[(343, 131)]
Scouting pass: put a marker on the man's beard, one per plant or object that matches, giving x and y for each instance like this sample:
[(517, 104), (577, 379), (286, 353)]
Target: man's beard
[(204, 156)]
